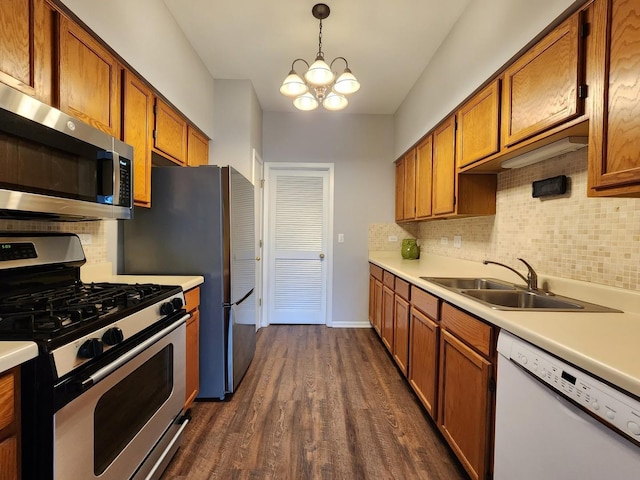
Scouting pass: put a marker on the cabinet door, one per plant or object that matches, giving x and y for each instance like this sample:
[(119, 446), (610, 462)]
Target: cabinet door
[(197, 148), (377, 319), (387, 317), (137, 128), (88, 79), (423, 359), (372, 300), (9, 423), (540, 89), (424, 174), (444, 168), (26, 28), (401, 334), (192, 360), (464, 413), (409, 204), (479, 126), (400, 190), (170, 135), (614, 157)]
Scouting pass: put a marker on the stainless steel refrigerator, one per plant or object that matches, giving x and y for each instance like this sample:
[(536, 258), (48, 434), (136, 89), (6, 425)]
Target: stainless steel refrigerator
[(202, 223)]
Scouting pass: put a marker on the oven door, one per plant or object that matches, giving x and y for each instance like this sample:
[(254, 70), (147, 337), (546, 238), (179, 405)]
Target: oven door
[(132, 404)]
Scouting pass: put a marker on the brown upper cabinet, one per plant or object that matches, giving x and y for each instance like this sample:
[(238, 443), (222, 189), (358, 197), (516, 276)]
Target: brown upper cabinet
[(479, 126), (409, 204), (137, 128), (170, 134), (444, 167), (400, 186), (88, 79), (26, 49), (614, 157), (197, 148), (424, 177), (542, 88)]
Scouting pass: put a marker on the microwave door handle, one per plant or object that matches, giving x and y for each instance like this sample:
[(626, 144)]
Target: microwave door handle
[(116, 178)]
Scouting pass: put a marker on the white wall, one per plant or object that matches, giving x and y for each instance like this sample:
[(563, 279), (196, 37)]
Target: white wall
[(146, 36), (238, 125), (487, 35), (360, 147)]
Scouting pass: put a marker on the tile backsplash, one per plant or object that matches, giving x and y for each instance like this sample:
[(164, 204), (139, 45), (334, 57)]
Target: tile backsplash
[(570, 236), (92, 234)]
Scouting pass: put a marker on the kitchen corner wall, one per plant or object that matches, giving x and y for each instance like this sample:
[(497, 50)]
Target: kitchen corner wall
[(570, 236)]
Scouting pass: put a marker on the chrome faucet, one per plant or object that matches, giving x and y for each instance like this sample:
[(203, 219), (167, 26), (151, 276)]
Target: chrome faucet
[(532, 277)]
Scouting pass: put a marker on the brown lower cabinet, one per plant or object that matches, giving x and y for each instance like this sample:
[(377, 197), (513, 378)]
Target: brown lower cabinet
[(450, 364), (192, 302), (9, 424)]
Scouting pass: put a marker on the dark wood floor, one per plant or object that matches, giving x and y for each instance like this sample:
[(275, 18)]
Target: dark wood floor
[(316, 403)]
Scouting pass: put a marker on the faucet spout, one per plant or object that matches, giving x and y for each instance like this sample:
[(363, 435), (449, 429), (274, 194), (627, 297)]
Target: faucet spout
[(531, 280)]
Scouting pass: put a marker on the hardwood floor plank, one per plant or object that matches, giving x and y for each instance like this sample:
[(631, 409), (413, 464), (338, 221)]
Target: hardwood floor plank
[(316, 403)]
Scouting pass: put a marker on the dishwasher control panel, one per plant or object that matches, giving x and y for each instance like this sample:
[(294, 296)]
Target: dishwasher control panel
[(611, 406)]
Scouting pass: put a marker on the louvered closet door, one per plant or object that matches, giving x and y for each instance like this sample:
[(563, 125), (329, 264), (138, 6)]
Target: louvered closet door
[(299, 219)]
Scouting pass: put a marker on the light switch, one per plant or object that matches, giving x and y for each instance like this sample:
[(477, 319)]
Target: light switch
[(457, 241), (341, 238)]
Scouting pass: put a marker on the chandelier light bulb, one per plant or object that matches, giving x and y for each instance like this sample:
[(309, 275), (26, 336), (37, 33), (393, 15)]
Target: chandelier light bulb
[(319, 73), (335, 102), (293, 85), (346, 83), (306, 102)]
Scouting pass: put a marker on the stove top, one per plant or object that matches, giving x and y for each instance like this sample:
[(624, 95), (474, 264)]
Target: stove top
[(59, 311), (42, 299)]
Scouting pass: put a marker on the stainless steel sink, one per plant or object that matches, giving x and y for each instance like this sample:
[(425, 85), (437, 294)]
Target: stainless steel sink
[(501, 295), (454, 283)]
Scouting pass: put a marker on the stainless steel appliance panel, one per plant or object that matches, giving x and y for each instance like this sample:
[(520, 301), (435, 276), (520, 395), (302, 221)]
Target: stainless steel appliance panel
[(114, 425), (197, 226)]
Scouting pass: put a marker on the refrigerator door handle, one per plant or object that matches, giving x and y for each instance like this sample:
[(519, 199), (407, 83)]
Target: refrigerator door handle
[(229, 305)]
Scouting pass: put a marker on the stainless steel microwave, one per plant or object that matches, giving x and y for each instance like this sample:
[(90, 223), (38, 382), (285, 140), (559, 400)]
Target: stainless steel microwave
[(54, 166)]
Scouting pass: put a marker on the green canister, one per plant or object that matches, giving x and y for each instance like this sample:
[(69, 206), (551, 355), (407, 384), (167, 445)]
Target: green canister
[(410, 249)]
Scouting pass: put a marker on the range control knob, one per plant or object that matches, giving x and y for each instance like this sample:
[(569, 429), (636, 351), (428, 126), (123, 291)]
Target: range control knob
[(113, 336), (633, 428), (167, 308), (91, 348), (177, 303)]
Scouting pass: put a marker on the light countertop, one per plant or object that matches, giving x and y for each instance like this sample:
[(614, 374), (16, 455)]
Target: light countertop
[(605, 344), (15, 353)]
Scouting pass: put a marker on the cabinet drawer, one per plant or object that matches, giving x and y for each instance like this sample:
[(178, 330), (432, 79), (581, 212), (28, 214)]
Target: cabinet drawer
[(9, 458), (192, 299), (472, 331), (426, 303), (376, 271), (7, 388), (389, 280), (402, 288)]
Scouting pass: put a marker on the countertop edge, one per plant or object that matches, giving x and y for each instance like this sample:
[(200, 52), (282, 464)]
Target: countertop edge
[(14, 353)]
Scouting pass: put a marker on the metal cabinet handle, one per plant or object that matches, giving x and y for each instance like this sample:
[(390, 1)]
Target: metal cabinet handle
[(322, 255), (257, 259)]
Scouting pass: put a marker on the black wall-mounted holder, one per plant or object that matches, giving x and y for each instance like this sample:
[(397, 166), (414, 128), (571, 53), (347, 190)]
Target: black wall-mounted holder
[(549, 186)]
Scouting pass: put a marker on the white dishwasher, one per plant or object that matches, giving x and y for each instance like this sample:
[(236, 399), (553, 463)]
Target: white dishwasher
[(540, 434)]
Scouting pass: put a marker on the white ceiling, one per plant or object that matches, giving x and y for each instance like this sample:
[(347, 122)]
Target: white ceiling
[(387, 43)]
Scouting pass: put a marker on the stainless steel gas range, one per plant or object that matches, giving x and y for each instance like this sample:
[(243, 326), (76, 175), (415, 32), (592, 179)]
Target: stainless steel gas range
[(104, 398)]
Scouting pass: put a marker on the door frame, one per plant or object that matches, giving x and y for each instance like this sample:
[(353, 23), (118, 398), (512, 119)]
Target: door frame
[(268, 252), (257, 177)]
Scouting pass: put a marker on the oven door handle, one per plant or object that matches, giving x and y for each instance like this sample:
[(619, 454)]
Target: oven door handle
[(113, 366)]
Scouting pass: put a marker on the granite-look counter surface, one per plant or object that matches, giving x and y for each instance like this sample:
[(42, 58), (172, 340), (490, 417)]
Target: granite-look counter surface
[(605, 344)]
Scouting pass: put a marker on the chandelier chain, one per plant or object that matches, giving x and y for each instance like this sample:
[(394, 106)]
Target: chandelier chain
[(320, 40)]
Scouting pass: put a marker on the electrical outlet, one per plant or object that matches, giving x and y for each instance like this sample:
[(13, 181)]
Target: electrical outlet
[(393, 238), (457, 241), (444, 240)]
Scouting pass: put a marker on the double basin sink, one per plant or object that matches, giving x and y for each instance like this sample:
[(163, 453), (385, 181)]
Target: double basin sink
[(502, 295)]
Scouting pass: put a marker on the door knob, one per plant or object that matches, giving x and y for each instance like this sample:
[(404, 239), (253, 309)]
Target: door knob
[(257, 259), (322, 255)]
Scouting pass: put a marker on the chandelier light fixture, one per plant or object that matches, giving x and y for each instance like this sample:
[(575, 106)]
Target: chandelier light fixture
[(320, 84)]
